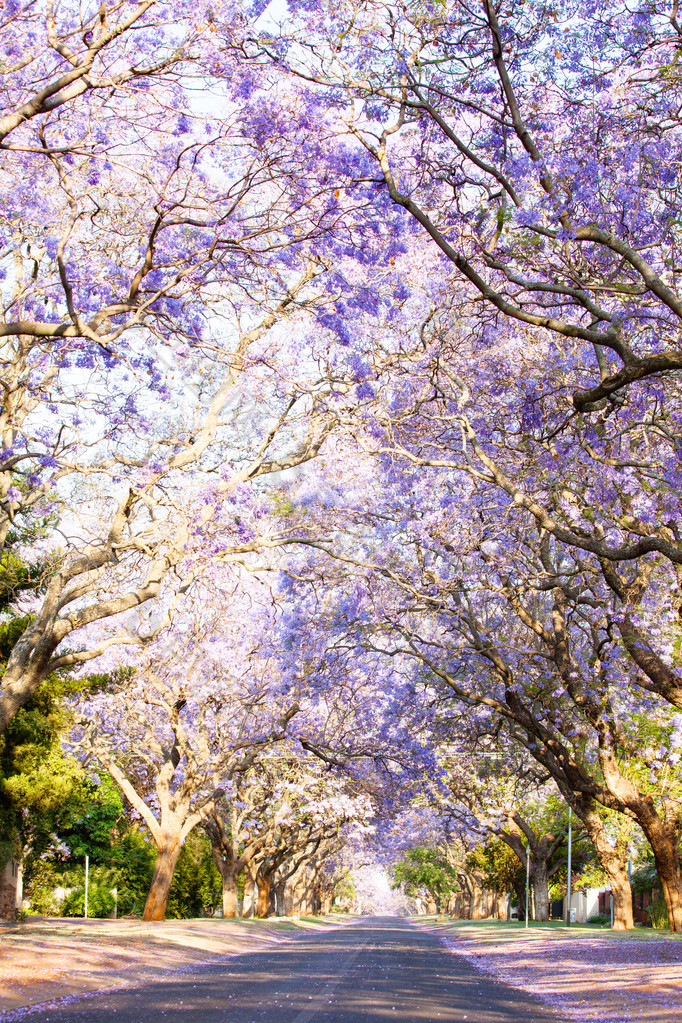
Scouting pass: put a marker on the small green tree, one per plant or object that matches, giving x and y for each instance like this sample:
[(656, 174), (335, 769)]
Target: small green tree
[(46, 797), (426, 871)]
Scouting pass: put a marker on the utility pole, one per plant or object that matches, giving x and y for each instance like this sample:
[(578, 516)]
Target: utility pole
[(87, 868), (527, 880), (568, 885)]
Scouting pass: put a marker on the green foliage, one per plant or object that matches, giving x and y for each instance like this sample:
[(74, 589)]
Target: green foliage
[(197, 885), (282, 505), (654, 732), (43, 790), (124, 861), (51, 812), (501, 869), (38, 781), (126, 866), (658, 914), (7, 850), (100, 892), (645, 879), (590, 875), (39, 889), (132, 864), (424, 870), (344, 889), (599, 920), (96, 810), (16, 574)]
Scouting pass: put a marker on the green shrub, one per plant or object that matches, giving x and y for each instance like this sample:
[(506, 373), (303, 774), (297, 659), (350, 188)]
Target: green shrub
[(658, 914), (131, 862), (599, 919), (197, 886), (100, 898), (39, 890)]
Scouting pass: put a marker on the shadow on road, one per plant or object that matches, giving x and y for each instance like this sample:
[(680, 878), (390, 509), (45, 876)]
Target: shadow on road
[(371, 972)]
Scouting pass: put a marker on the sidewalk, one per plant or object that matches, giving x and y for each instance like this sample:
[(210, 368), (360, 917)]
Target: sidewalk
[(587, 975)]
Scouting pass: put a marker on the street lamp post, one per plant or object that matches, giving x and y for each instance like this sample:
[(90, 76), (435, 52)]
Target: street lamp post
[(527, 880)]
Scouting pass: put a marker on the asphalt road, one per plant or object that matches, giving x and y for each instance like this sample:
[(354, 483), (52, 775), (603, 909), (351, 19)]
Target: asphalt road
[(375, 971)]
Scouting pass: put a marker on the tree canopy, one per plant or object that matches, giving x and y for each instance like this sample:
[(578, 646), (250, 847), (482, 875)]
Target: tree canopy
[(340, 422)]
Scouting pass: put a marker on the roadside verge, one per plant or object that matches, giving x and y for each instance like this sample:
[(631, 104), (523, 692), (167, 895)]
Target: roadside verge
[(585, 974), (44, 960)]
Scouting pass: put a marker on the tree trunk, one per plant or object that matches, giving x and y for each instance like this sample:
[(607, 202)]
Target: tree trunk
[(666, 857), (278, 898), (614, 863), (475, 902), (662, 831), (520, 893), (263, 903), (499, 907), (224, 860), (465, 906), (288, 899), (301, 900), (663, 834), (249, 883), (540, 882), (157, 900), (230, 903)]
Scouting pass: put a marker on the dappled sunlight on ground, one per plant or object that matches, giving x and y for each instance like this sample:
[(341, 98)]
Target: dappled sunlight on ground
[(610, 978), (48, 959)]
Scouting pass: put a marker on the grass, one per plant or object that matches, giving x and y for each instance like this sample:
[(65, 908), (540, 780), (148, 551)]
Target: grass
[(556, 928)]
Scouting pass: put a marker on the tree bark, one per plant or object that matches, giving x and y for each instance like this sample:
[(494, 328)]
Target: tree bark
[(661, 829), (466, 897), (263, 903), (520, 893), (301, 898), (667, 859), (249, 883), (230, 903), (540, 883), (157, 900), (541, 851), (288, 899), (278, 898), (475, 902), (613, 862), (19, 897), (499, 907)]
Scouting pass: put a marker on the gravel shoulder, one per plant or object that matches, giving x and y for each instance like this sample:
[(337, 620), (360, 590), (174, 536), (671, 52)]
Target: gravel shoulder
[(585, 974), (46, 959)]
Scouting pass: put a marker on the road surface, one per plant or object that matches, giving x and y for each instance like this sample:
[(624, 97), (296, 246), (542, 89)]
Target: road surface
[(375, 971)]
